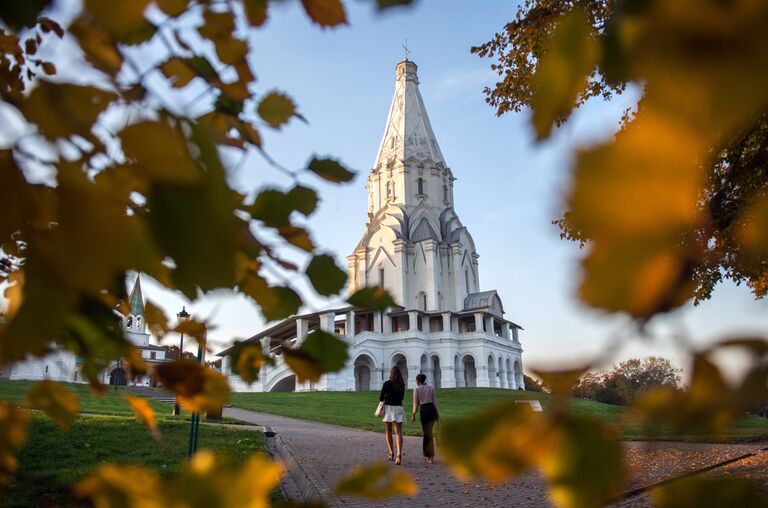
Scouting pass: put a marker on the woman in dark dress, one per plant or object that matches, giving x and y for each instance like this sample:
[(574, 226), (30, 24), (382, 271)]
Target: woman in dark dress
[(392, 394), (425, 402)]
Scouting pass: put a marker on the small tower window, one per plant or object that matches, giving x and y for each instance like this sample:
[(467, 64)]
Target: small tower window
[(392, 142), (445, 193), (423, 300), (129, 322), (466, 279), (420, 184), (381, 277)]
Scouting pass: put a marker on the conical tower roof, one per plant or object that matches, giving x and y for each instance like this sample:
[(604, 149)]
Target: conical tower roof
[(137, 299), (408, 133)]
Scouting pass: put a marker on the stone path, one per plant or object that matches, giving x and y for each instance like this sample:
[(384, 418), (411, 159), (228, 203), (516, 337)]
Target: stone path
[(327, 453)]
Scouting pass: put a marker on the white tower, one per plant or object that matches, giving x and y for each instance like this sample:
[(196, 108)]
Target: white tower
[(414, 244), (134, 325)]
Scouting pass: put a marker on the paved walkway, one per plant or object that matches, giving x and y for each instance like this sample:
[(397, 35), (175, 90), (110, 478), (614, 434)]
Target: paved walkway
[(327, 453)]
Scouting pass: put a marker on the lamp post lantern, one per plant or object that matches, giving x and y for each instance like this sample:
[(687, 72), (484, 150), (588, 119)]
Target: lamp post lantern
[(182, 316)]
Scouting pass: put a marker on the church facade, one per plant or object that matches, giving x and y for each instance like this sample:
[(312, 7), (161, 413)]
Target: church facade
[(62, 365), (415, 246)]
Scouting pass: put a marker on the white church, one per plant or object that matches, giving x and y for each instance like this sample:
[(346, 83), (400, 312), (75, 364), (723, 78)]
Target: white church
[(415, 246), (62, 365)]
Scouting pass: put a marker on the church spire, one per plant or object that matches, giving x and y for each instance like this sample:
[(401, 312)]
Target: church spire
[(137, 299), (408, 133)]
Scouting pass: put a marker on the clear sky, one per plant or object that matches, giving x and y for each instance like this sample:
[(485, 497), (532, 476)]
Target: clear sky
[(508, 191)]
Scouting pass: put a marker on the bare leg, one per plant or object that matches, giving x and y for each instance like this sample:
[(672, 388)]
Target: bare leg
[(399, 434), (388, 435)]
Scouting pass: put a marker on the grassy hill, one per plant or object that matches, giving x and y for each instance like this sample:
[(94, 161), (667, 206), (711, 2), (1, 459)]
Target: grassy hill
[(355, 409)]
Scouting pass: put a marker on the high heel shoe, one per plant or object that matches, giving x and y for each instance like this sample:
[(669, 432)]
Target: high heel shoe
[(397, 460), (390, 457)]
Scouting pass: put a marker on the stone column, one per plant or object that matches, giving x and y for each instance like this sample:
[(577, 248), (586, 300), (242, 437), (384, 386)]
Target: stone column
[(413, 324), (386, 321), (328, 322), (491, 326), (505, 330), (350, 324), (478, 322), (446, 321), (302, 327), (515, 337), (377, 321)]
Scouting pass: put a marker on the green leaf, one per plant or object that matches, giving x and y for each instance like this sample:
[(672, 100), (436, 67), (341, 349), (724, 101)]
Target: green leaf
[(372, 298), (160, 152), (304, 199), (275, 302), (377, 481), (56, 401), (320, 352), (330, 170), (563, 71), (327, 278), (247, 360), (276, 109), (326, 13)]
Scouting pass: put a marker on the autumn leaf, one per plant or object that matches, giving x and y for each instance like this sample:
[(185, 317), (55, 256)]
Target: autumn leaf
[(330, 170), (144, 412), (129, 486), (377, 481), (561, 75), (297, 236), (276, 109), (326, 13), (123, 19), (160, 152), (97, 45), (178, 72), (372, 298), (326, 277), (173, 7), (255, 11), (56, 401), (247, 360), (198, 388)]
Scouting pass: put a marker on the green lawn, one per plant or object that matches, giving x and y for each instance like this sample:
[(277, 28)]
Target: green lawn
[(355, 409), (92, 440), (110, 403)]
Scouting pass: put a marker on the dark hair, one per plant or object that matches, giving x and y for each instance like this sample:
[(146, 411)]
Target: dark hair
[(421, 379), (397, 378)]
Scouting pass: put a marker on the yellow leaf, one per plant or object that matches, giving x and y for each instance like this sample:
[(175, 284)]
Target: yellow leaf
[(172, 7), (99, 48), (276, 109), (255, 11), (198, 388), (212, 482), (113, 486), (297, 236), (156, 320), (377, 481), (145, 413), (57, 402), (13, 433), (561, 75), (326, 13), (247, 361)]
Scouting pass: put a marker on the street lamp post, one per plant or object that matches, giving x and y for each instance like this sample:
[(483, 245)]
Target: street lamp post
[(182, 316), (194, 430)]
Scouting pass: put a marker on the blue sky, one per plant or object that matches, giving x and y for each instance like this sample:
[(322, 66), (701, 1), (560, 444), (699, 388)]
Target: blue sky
[(508, 191)]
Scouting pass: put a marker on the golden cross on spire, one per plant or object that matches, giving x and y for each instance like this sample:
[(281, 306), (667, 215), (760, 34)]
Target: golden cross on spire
[(407, 52)]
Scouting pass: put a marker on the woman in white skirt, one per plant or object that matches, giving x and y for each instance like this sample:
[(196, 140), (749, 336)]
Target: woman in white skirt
[(392, 394)]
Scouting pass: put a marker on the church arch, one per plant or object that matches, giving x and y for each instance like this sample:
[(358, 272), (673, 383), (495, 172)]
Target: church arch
[(437, 377), (401, 362), (424, 366), (492, 377), (519, 376), (286, 384), (118, 376), (363, 369), (470, 371)]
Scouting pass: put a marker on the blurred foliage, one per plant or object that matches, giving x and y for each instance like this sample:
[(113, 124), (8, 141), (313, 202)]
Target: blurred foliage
[(674, 203), (628, 380)]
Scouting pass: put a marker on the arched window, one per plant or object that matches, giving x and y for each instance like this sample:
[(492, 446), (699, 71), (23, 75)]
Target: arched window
[(420, 183), (129, 322), (389, 189), (445, 193)]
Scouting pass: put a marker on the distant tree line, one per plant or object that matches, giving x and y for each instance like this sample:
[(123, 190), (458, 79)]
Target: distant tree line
[(626, 381)]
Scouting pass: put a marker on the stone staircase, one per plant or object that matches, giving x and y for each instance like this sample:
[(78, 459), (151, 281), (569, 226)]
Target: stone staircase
[(152, 393)]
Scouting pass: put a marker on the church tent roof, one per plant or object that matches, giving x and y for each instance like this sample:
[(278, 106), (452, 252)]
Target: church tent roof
[(137, 299)]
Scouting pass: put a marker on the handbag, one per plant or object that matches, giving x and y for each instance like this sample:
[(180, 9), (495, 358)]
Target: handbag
[(379, 409)]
